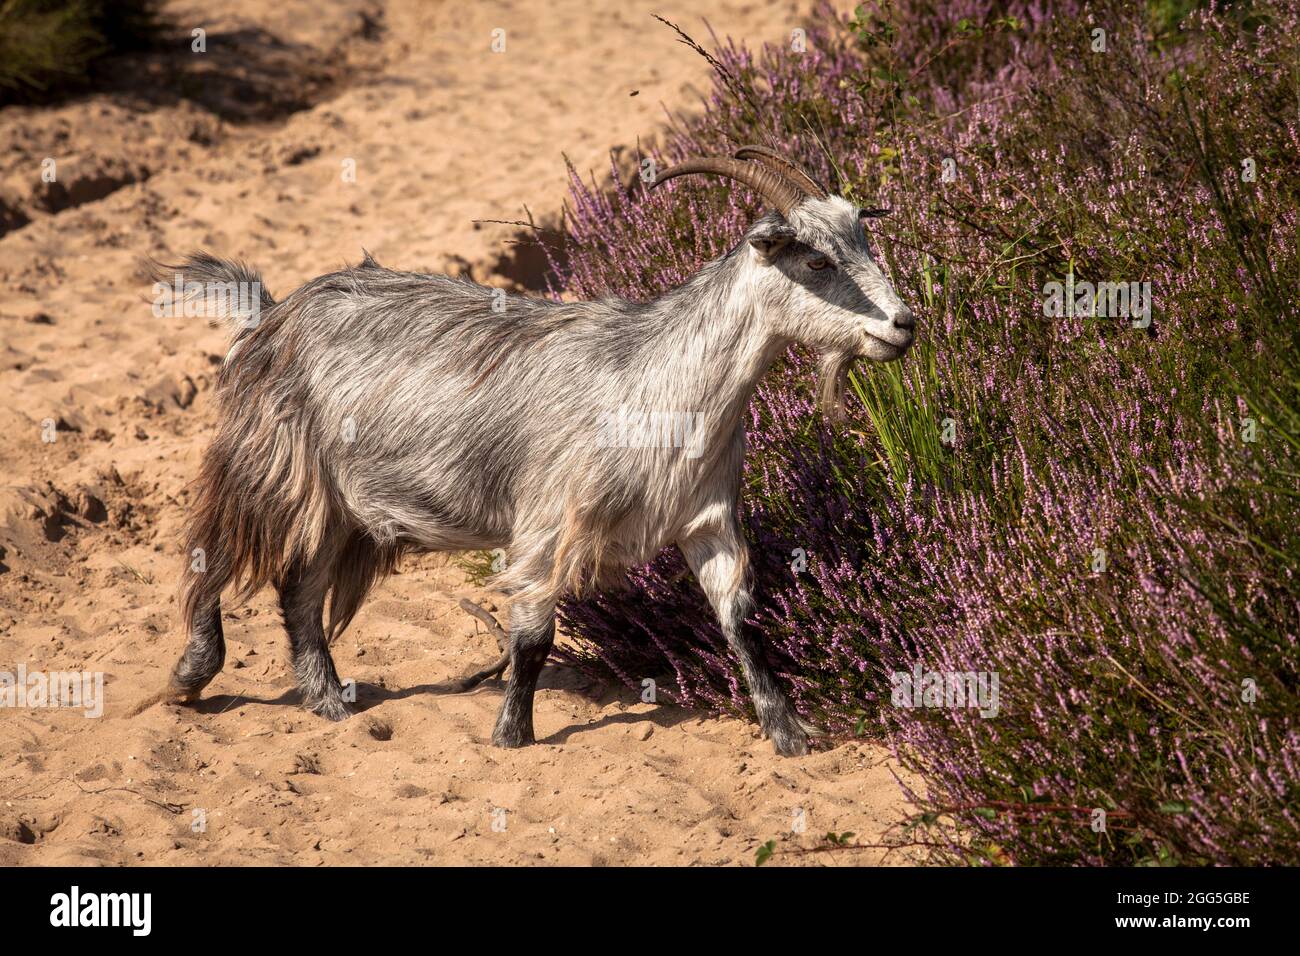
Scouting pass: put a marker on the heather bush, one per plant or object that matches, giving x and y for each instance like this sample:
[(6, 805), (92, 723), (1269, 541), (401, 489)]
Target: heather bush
[(1101, 511)]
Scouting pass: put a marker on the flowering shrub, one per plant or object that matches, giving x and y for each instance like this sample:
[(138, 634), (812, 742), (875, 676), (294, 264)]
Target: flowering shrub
[(1101, 511)]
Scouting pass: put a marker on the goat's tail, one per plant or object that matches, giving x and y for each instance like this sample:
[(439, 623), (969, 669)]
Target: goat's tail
[(226, 288)]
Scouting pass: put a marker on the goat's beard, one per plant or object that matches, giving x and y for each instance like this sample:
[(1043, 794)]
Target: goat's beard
[(833, 378)]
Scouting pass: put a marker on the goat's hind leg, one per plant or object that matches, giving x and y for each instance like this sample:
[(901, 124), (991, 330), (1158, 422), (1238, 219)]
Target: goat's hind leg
[(204, 655), (302, 601)]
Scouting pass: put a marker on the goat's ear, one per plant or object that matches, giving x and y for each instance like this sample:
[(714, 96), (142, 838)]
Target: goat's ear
[(771, 239)]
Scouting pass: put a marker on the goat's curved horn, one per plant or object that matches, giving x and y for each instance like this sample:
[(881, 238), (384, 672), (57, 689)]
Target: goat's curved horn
[(776, 189), (793, 171)]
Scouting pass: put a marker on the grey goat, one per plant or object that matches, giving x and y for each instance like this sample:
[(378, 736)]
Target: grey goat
[(373, 413)]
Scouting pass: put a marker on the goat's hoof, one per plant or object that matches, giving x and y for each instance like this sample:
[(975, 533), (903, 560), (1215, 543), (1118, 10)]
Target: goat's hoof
[(512, 737), (176, 694), (331, 708), (185, 683), (790, 742)]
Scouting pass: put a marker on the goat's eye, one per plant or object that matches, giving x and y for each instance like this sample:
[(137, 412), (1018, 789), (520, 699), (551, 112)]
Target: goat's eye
[(818, 264)]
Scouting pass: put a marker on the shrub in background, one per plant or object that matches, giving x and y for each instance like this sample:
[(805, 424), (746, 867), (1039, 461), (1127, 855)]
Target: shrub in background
[(1070, 502), (49, 47)]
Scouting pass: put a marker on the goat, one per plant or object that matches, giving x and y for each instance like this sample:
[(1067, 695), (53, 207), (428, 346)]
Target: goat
[(373, 413)]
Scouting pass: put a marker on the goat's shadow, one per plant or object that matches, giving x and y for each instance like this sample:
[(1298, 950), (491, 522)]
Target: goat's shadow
[(553, 677), (243, 75)]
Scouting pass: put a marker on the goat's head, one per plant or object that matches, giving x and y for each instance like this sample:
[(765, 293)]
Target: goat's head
[(811, 267)]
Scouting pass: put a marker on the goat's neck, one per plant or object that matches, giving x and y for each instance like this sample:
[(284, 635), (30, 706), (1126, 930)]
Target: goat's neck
[(715, 350)]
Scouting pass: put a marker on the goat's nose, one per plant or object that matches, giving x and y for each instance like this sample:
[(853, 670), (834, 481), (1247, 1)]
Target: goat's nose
[(904, 319)]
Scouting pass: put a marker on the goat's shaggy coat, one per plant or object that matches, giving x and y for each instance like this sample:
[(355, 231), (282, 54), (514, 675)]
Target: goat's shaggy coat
[(374, 412)]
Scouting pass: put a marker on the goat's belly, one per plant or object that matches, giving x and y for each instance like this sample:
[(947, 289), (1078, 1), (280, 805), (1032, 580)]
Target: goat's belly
[(432, 519)]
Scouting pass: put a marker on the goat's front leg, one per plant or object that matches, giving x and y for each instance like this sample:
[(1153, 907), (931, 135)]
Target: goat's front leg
[(720, 563), (532, 631)]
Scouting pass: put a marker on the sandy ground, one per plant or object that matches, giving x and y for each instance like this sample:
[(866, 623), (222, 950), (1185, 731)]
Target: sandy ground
[(240, 150)]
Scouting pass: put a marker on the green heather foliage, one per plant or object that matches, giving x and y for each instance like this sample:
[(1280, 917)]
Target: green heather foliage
[(50, 46), (1102, 511)]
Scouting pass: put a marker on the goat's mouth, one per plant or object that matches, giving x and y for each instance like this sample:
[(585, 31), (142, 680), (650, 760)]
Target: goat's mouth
[(878, 349)]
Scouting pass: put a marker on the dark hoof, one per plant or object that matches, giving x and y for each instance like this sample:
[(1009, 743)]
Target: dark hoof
[(186, 682), (179, 694), (790, 742), (512, 737), (331, 708)]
